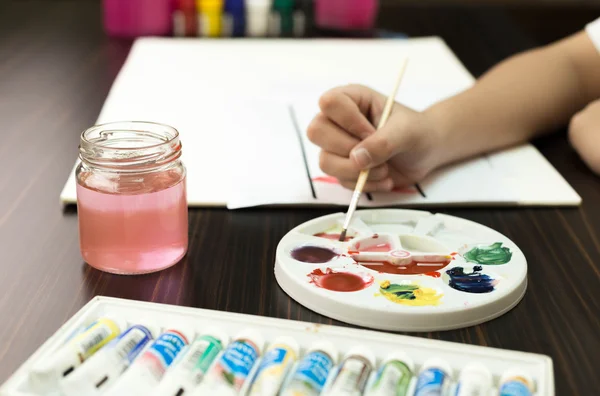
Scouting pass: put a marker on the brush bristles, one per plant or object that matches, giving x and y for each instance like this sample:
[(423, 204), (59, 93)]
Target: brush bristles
[(343, 236)]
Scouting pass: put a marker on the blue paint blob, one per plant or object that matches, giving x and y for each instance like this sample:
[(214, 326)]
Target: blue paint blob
[(475, 282)]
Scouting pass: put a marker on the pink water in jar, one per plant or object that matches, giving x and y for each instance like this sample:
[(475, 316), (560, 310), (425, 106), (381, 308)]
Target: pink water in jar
[(131, 198)]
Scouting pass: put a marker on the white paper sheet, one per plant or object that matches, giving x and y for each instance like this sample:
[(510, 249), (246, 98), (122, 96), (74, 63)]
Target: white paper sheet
[(233, 100)]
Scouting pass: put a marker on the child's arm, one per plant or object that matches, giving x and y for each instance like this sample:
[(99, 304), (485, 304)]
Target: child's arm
[(526, 95)]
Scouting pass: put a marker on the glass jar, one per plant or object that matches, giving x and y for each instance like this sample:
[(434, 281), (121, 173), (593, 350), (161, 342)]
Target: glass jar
[(131, 197)]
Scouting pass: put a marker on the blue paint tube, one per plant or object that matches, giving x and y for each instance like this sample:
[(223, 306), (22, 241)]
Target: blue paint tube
[(146, 372), (475, 380), (231, 371), (312, 371), (434, 378), (108, 364), (516, 383)]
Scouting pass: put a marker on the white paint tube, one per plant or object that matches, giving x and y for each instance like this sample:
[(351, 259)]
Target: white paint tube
[(475, 380), (354, 372), (45, 376)]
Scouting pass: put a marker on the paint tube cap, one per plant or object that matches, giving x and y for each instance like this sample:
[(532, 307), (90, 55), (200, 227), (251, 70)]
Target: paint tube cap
[(148, 325), (325, 347), (287, 341), (183, 330), (253, 336), (119, 322), (363, 351), (437, 363), (400, 356), (217, 333), (515, 374), (476, 369)]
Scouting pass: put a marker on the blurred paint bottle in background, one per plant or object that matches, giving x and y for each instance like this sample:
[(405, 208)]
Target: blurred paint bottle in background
[(134, 18), (346, 15)]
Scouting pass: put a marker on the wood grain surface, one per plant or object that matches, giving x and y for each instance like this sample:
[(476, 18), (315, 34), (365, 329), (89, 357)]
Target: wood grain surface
[(56, 68)]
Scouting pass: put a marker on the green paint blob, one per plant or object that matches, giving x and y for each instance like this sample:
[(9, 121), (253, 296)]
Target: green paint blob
[(403, 292), (494, 254)]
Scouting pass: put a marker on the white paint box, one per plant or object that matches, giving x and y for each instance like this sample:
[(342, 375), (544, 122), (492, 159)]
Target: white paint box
[(538, 367)]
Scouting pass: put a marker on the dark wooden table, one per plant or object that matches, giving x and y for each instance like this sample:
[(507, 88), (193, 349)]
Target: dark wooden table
[(56, 67)]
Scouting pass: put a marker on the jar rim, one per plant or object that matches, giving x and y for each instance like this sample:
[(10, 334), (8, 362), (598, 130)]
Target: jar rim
[(104, 126), (130, 146)]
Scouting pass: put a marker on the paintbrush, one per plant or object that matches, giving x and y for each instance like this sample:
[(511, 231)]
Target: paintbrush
[(364, 174)]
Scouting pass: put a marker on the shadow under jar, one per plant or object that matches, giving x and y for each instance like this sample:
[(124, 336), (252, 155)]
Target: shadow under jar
[(131, 197)]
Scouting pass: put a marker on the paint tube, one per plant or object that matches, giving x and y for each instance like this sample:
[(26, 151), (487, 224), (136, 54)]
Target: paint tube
[(274, 367), (394, 376), (516, 383), (475, 380), (189, 370), (434, 379), (351, 379), (232, 369), (108, 364), (45, 376), (312, 371), (146, 371)]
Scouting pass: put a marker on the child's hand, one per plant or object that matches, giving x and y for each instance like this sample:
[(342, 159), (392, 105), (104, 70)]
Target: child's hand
[(400, 154), (584, 134)]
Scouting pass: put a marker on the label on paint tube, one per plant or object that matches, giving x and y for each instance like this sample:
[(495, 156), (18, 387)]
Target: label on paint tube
[(201, 355), (234, 366), (129, 344), (162, 352), (310, 375), (274, 367), (392, 379), (431, 382), (514, 388), (516, 382), (352, 377), (95, 337)]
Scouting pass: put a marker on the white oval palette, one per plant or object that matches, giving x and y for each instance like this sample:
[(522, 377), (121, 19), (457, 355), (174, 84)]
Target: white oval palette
[(402, 270)]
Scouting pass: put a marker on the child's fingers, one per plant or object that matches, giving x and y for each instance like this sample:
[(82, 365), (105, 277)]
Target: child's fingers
[(385, 185), (397, 136), (344, 169), (342, 109), (330, 137)]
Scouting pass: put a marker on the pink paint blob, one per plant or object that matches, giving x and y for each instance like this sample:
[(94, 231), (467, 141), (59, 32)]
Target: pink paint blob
[(134, 233)]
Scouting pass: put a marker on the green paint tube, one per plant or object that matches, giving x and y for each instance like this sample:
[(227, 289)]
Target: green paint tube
[(394, 376), (193, 364)]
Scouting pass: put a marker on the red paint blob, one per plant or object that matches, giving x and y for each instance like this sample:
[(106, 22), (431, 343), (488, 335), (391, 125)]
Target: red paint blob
[(334, 237), (434, 274), (340, 281), (313, 254), (414, 268)]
